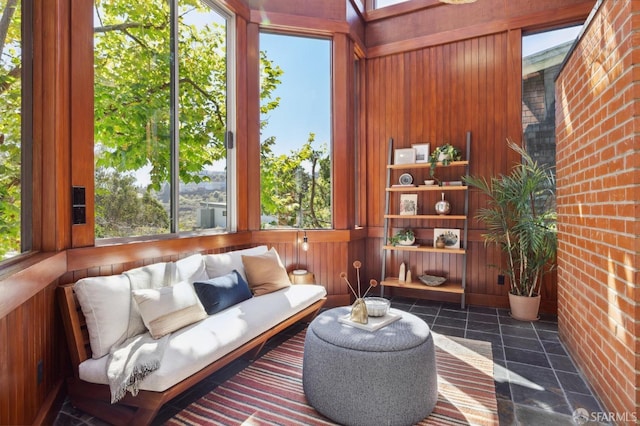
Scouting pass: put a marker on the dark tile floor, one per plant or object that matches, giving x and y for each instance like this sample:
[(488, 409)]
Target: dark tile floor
[(537, 383)]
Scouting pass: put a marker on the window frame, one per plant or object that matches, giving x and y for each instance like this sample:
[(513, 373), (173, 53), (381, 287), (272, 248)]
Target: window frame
[(27, 105), (174, 122), (27, 171), (331, 129)]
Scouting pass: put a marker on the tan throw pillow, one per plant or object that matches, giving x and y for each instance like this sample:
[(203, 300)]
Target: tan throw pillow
[(265, 273), (167, 309)]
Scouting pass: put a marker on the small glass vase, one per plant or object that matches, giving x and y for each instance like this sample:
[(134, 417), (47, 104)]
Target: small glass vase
[(359, 312)]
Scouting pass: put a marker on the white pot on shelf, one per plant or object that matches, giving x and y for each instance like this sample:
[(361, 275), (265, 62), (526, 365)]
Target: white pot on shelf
[(407, 242), (443, 156)]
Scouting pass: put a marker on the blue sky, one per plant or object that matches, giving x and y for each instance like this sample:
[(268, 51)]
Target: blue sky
[(537, 42), (305, 91)]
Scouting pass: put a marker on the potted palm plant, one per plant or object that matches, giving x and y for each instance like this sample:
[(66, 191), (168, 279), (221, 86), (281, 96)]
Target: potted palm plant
[(521, 218)]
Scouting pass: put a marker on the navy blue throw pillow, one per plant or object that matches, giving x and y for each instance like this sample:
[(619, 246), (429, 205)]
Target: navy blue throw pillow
[(219, 293)]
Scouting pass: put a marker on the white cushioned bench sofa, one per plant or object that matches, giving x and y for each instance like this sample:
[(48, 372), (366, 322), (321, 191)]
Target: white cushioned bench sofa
[(180, 320)]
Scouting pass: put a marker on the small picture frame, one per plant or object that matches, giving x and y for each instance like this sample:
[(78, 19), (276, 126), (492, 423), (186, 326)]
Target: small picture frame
[(404, 156), (408, 204), (422, 152), (451, 237)]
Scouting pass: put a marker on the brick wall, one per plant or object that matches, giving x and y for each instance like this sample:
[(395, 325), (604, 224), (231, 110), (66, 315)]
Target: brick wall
[(598, 168)]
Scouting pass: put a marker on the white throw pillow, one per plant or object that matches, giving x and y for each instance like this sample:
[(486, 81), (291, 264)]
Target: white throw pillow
[(105, 303), (156, 275), (221, 264), (168, 309), (191, 269)]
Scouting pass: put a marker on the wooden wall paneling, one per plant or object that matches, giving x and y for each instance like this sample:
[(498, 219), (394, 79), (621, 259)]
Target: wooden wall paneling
[(312, 263), (398, 94), (464, 90), (351, 134), (38, 129), (501, 98), (367, 147), (252, 111), (29, 334), (58, 170), (415, 81), (354, 16), (131, 255), (239, 7), (5, 376), (372, 252), (33, 276), (356, 251), (81, 114), (371, 137), (514, 89), (15, 357), (243, 132), (546, 14), (326, 267), (343, 262), (361, 140), (449, 93), (343, 160), (336, 264), (456, 120), (429, 26), (329, 15), (50, 119)]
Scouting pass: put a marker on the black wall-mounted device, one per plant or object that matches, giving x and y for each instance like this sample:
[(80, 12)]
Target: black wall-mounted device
[(79, 205)]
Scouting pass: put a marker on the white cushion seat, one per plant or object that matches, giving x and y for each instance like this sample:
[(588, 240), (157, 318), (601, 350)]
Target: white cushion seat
[(194, 347)]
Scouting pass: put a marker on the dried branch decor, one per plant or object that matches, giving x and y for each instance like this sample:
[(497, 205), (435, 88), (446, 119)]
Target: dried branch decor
[(359, 308)]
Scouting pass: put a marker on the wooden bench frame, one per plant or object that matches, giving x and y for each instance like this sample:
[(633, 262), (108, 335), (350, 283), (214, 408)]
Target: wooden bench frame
[(95, 399)]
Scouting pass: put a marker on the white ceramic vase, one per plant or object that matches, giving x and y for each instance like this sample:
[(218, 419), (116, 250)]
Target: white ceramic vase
[(443, 206)]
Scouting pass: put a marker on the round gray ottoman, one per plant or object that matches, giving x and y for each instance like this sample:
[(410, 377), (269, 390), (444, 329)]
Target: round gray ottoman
[(360, 377)]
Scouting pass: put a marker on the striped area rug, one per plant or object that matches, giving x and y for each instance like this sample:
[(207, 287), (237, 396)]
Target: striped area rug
[(269, 391)]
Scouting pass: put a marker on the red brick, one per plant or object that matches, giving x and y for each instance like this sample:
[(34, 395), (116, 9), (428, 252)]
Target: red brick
[(598, 184), (635, 17)]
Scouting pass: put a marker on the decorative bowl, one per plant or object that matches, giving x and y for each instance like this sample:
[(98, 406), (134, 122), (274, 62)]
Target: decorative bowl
[(432, 280), (377, 306)]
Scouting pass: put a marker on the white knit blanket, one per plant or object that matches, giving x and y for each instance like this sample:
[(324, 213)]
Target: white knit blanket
[(139, 354), (131, 361)]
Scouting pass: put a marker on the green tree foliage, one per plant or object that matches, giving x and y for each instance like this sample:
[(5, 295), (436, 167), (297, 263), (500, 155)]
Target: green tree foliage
[(121, 208), (10, 124), (133, 115), (296, 186), (133, 86)]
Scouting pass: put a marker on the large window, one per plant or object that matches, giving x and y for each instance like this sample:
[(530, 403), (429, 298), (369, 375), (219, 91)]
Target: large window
[(15, 128), (295, 162), (161, 117), (542, 57)]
